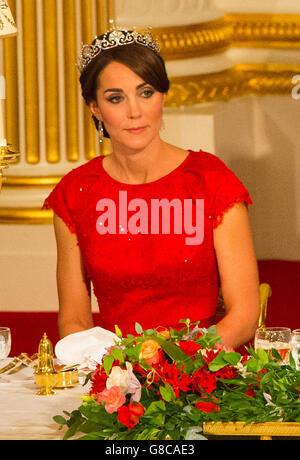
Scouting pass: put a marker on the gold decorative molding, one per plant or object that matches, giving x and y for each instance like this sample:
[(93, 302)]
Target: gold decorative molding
[(265, 30), (241, 80), (242, 30), (195, 40), (31, 181), (25, 216)]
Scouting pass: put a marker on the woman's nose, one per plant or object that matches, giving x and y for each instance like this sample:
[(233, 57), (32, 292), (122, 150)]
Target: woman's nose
[(133, 108)]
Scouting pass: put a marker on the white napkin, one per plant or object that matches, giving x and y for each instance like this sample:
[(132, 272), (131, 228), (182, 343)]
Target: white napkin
[(85, 347)]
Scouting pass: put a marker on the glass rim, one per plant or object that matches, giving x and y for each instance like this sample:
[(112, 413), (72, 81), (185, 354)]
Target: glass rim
[(4, 329), (296, 331)]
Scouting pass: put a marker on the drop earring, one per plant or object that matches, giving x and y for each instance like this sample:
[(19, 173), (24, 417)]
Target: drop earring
[(100, 131)]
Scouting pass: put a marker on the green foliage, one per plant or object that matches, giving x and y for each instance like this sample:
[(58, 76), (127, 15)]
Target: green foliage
[(259, 390)]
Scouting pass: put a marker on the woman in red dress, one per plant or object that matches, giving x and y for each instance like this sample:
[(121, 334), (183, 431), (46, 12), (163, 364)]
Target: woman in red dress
[(155, 229)]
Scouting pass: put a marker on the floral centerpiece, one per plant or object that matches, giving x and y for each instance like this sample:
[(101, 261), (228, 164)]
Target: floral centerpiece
[(164, 383)]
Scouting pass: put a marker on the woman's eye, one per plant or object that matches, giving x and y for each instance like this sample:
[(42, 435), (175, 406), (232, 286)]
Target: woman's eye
[(115, 99), (148, 93)]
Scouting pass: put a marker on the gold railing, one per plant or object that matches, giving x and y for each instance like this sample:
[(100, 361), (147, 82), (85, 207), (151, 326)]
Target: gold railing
[(265, 431)]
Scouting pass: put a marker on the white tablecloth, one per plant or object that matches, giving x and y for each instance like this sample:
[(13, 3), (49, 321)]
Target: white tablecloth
[(26, 416)]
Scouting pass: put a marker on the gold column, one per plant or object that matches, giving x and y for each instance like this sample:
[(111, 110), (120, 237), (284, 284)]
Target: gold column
[(105, 11), (71, 80), (110, 10), (87, 37), (51, 81), (101, 16), (31, 83), (11, 73)]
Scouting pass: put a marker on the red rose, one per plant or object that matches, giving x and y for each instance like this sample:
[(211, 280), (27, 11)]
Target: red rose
[(136, 409), (250, 392), (204, 381), (129, 415), (227, 372), (206, 406), (189, 347), (98, 381)]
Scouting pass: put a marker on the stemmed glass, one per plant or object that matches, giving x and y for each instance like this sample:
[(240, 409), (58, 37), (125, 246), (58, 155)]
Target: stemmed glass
[(278, 338), (5, 342), (296, 347)]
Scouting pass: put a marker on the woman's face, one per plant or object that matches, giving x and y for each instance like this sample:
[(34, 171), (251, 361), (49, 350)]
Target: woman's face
[(130, 109)]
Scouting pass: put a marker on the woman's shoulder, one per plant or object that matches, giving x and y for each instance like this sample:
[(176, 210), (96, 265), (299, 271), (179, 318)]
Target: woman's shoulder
[(209, 169), (203, 161), (90, 169)]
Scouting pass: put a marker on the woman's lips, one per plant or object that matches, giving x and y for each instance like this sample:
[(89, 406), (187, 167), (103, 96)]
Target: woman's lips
[(139, 130)]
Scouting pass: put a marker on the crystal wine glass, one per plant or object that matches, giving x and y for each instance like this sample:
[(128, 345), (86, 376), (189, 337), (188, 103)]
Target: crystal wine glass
[(296, 347), (5, 342), (278, 338)]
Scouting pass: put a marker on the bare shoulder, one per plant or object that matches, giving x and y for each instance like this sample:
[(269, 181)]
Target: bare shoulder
[(175, 154)]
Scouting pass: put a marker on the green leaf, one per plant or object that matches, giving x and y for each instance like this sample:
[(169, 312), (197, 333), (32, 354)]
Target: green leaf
[(292, 362), (149, 332), (212, 330), (138, 328), (107, 363), (176, 354), (166, 395), (232, 357), (254, 365), (167, 392), (156, 413), (276, 354), (262, 356), (118, 354), (133, 353), (118, 331), (96, 413), (60, 420), (217, 363)]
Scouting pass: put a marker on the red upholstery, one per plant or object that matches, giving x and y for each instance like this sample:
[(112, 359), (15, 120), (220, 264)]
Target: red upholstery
[(284, 304), (27, 329), (283, 308)]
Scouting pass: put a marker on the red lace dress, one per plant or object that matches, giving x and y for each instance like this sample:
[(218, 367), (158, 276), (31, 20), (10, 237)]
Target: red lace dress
[(139, 275)]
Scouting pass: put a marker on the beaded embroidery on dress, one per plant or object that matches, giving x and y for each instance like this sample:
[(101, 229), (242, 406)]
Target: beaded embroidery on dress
[(152, 279)]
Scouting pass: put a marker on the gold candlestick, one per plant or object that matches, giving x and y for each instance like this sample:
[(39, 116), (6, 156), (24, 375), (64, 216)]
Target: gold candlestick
[(45, 375), (6, 157)]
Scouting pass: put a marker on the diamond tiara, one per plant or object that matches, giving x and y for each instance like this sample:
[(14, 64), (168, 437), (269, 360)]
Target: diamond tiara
[(113, 38)]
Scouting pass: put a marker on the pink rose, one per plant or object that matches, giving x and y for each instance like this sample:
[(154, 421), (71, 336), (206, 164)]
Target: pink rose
[(113, 399), (220, 346)]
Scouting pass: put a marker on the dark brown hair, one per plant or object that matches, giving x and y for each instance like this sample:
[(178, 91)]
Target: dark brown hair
[(146, 63)]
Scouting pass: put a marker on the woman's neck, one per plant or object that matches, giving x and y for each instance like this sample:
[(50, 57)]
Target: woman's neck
[(141, 166)]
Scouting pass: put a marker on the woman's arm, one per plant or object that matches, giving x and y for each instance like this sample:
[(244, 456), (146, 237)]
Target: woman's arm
[(73, 286), (238, 276)]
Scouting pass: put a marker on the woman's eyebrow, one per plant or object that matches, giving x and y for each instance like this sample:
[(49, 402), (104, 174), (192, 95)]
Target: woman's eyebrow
[(119, 90)]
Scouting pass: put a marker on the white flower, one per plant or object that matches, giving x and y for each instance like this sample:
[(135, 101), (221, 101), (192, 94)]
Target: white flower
[(134, 386), (126, 380), (277, 410), (118, 377)]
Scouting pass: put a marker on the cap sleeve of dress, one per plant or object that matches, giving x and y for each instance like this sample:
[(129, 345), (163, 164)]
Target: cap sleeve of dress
[(59, 201), (228, 190)]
